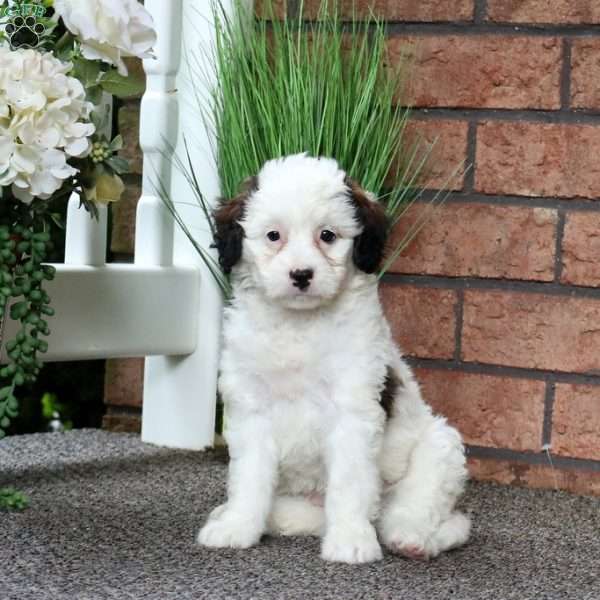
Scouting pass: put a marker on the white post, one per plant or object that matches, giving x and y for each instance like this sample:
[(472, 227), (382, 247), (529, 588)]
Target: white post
[(86, 238), (85, 241), (180, 392), (158, 134)]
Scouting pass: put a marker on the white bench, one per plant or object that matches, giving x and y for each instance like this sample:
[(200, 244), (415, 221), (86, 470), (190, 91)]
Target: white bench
[(165, 306)]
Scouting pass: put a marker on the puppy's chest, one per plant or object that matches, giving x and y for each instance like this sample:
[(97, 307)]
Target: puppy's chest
[(287, 363)]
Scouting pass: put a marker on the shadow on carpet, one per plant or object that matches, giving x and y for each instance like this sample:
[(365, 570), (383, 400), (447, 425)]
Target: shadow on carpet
[(111, 517)]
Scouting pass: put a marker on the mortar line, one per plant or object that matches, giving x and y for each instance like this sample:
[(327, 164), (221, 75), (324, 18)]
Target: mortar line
[(533, 458), (526, 115), (469, 180), (458, 313), (480, 12), (493, 284), (476, 368), (293, 9), (484, 27), (565, 204), (565, 76), (548, 411), (558, 258)]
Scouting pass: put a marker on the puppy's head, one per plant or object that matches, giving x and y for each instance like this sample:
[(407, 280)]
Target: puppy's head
[(299, 231)]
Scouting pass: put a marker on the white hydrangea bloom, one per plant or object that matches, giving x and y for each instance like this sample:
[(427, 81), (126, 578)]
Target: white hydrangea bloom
[(109, 29), (44, 120)]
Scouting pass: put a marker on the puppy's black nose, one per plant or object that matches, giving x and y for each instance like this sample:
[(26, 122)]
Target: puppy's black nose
[(301, 278)]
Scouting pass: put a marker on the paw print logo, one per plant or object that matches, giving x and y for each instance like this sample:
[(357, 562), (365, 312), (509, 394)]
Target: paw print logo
[(24, 32)]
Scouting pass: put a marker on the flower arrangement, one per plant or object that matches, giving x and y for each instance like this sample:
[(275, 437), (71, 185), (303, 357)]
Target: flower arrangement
[(58, 58)]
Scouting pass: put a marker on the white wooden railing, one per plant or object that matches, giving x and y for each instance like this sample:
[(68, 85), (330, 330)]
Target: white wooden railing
[(165, 306)]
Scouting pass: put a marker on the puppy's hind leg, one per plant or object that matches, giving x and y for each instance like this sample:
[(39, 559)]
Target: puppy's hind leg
[(418, 519), (296, 515)]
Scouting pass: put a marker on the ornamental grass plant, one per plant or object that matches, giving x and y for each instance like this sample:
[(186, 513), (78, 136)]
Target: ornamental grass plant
[(324, 87)]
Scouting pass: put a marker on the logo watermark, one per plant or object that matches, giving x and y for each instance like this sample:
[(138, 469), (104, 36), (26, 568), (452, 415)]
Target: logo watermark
[(22, 24)]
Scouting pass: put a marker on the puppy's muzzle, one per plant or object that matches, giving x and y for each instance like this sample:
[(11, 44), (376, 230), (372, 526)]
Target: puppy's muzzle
[(301, 278)]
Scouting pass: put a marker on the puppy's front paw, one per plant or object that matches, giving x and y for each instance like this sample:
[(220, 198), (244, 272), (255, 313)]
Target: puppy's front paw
[(351, 544), (228, 530)]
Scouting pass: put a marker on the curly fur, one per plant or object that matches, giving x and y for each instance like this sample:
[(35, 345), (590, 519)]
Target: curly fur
[(327, 430)]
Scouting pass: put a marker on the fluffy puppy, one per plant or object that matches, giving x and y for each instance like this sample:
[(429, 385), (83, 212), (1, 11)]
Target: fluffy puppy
[(327, 430)]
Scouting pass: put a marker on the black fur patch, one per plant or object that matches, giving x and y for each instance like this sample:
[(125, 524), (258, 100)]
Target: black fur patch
[(369, 246), (229, 234), (391, 384)]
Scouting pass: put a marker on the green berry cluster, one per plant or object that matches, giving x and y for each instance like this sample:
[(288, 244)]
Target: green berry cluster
[(100, 152), (11, 499), (22, 252)]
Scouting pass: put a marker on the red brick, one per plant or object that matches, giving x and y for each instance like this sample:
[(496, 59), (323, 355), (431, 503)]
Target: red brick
[(422, 319), (538, 159), (446, 143), (267, 8), (585, 72), (581, 249), (535, 476), (576, 421), (123, 219), (124, 382), (544, 11), (481, 71), (398, 10), (122, 423), (497, 412), (533, 331), (129, 128), (479, 240)]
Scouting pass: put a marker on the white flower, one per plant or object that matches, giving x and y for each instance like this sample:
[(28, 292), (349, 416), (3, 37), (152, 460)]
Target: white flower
[(109, 29), (44, 121)]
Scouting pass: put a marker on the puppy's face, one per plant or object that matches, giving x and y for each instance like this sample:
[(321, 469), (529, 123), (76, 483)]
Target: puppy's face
[(299, 231)]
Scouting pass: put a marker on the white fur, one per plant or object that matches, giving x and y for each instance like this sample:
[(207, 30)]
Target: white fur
[(301, 377)]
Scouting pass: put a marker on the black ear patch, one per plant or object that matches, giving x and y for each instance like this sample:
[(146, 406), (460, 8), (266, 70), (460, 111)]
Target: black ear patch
[(369, 246), (229, 234)]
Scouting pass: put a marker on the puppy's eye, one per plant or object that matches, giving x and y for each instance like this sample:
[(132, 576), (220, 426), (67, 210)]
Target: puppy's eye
[(273, 236), (328, 236)]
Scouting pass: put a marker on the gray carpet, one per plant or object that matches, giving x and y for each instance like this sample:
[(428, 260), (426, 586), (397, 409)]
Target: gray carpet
[(113, 518)]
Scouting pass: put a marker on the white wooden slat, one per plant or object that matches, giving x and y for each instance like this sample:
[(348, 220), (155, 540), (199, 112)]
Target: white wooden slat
[(159, 115), (121, 310), (86, 238), (187, 418)]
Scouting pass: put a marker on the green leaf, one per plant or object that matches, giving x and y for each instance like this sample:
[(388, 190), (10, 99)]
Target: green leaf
[(116, 144), (57, 220), (118, 165), (94, 94), (121, 86), (87, 71), (63, 49)]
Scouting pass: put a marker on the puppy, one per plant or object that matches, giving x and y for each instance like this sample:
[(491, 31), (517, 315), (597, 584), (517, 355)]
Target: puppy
[(327, 431)]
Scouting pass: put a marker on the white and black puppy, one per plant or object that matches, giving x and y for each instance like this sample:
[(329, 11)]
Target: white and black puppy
[(328, 433)]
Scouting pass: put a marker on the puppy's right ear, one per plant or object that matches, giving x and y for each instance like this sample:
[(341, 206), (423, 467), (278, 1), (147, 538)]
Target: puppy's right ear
[(229, 234)]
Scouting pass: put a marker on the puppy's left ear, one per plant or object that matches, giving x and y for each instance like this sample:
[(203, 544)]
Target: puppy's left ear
[(369, 246), (229, 234)]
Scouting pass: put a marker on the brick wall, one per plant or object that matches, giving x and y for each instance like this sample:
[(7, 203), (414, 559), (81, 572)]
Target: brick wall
[(123, 383), (497, 301)]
